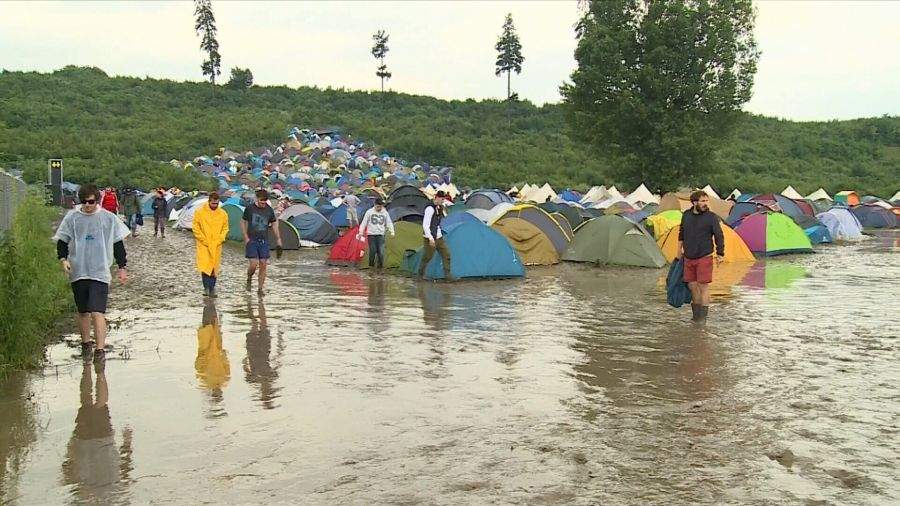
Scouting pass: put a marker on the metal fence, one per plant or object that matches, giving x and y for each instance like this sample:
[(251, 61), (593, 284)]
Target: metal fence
[(12, 192)]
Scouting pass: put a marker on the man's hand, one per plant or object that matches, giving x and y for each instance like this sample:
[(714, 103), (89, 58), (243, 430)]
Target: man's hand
[(246, 240), (67, 267), (431, 242), (123, 276), (720, 259)]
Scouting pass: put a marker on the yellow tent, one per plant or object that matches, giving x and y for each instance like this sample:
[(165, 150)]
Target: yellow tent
[(533, 246), (662, 222), (736, 249)]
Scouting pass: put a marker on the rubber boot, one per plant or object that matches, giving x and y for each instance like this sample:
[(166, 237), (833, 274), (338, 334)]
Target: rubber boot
[(696, 311), (704, 312)]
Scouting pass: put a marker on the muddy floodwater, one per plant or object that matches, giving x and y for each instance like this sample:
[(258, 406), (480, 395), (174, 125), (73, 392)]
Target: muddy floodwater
[(575, 385)]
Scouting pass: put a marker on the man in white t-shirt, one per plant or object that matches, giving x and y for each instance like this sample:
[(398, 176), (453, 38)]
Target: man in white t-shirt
[(375, 222)]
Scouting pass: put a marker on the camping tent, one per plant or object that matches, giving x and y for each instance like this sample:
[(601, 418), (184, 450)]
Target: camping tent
[(682, 201), (847, 197), (532, 245), (487, 199), (616, 241), (842, 224), (543, 221), (408, 238), (542, 194), (642, 195), (712, 193), (791, 193), (349, 249), (235, 214), (662, 222), (771, 234), (595, 194), (872, 216), (895, 199), (735, 248), (734, 194), (290, 236), (570, 195), (310, 223), (781, 203), (411, 214), (814, 229), (452, 220), (819, 194), (186, 217), (476, 251), (572, 214)]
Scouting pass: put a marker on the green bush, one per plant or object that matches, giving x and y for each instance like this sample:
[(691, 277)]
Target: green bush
[(34, 291)]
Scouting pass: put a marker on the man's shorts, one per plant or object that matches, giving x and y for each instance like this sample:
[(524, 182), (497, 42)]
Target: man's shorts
[(90, 295), (257, 249), (698, 269)]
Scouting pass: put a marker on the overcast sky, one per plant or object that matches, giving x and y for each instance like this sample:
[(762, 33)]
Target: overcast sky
[(820, 60)]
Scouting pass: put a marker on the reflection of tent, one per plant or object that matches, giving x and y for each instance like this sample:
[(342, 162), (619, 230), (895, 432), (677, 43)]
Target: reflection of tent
[(772, 234), (476, 251), (735, 249), (616, 241), (662, 222), (543, 221), (819, 194), (235, 214), (791, 193), (533, 246), (773, 275), (409, 237), (310, 223), (487, 199), (682, 201), (847, 197), (842, 224), (872, 216), (349, 249)]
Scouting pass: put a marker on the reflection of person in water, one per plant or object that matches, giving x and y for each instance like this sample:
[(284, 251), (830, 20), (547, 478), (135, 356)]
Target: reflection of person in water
[(376, 298), (435, 301), (97, 469), (213, 369), (258, 368)]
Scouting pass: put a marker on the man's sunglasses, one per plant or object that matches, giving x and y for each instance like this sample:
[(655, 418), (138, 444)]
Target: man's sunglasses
[(90, 201)]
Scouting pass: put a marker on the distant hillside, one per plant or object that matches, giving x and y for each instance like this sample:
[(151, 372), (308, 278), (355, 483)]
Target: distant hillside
[(115, 130)]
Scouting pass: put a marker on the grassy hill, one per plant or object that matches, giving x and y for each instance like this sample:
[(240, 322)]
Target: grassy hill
[(117, 130)]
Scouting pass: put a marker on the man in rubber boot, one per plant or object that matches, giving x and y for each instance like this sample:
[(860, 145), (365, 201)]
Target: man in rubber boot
[(434, 236), (699, 226), (210, 228)]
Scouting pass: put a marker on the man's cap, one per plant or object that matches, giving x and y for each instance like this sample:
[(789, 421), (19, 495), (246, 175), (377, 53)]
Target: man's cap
[(440, 193), (379, 201)]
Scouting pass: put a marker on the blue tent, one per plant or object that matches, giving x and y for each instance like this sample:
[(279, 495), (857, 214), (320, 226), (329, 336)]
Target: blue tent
[(570, 196), (476, 251), (456, 219), (842, 224), (487, 199), (338, 215), (311, 225)]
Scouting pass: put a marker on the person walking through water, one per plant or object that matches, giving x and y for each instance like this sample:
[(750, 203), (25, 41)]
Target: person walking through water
[(699, 227), (159, 213), (257, 220), (434, 236), (210, 227), (88, 239), (374, 224)]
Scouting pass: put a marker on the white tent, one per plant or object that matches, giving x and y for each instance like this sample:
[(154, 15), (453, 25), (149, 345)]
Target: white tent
[(595, 194), (735, 193), (186, 217), (512, 190), (542, 194), (613, 192), (712, 193), (526, 189), (791, 193), (606, 204), (881, 203), (895, 198), (642, 194), (819, 194)]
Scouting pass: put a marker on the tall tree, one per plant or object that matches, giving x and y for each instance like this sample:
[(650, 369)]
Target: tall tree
[(205, 26), (379, 51), (509, 53), (660, 83)]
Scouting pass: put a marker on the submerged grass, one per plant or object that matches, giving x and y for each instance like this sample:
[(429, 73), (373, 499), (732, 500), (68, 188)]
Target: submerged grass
[(33, 288)]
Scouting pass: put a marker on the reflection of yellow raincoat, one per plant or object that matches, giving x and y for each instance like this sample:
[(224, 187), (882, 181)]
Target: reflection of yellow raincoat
[(210, 229), (213, 369)]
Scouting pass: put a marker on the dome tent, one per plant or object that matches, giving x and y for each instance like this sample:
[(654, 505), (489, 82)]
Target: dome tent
[(408, 238), (771, 234), (735, 248), (791, 193), (349, 249), (842, 224), (532, 245), (873, 216), (476, 251), (819, 194), (614, 240), (310, 223), (487, 199)]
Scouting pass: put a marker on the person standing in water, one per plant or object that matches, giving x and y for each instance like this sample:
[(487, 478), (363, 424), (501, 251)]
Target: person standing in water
[(210, 228), (434, 236), (699, 227), (159, 213), (375, 222), (257, 220), (88, 239)]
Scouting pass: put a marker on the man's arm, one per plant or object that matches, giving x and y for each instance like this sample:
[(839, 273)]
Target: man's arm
[(364, 223), (680, 240), (720, 238), (273, 222), (244, 231), (389, 222)]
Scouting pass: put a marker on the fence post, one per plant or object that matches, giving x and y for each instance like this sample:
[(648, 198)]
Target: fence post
[(12, 192)]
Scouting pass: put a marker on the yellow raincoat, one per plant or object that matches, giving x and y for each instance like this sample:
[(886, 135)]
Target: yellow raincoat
[(210, 230)]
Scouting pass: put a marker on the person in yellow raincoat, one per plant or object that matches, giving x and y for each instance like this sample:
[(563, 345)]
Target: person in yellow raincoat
[(210, 227)]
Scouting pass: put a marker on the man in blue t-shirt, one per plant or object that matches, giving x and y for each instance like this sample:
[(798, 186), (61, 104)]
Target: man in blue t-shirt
[(258, 219)]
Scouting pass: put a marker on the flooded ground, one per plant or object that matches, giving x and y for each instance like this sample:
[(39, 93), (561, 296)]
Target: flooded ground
[(575, 385)]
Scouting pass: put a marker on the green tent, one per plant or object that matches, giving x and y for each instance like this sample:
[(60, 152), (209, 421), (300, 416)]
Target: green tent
[(235, 215), (614, 240), (409, 237)]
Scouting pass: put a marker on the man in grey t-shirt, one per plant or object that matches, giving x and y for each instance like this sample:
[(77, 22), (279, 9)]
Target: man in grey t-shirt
[(87, 241)]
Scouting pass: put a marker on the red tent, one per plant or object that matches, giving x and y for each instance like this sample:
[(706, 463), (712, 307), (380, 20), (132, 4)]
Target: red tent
[(348, 250)]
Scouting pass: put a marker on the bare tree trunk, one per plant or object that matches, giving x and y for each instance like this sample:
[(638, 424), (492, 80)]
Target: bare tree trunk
[(508, 91)]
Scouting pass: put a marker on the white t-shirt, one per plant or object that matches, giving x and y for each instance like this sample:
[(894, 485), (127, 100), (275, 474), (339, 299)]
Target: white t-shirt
[(90, 238)]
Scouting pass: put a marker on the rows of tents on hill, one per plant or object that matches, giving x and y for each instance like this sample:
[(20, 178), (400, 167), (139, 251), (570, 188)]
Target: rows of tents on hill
[(496, 234)]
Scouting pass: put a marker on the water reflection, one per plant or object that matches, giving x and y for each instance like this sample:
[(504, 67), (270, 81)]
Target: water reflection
[(773, 275), (94, 466), (377, 291), (211, 364), (18, 417), (436, 302), (260, 367)]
